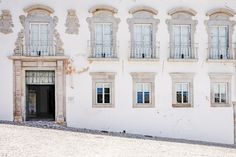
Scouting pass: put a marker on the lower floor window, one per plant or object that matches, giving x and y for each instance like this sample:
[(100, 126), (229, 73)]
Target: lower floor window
[(220, 92), (103, 93), (143, 93), (182, 92)]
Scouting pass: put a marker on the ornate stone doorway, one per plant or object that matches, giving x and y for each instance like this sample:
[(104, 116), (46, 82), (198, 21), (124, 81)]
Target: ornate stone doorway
[(21, 66)]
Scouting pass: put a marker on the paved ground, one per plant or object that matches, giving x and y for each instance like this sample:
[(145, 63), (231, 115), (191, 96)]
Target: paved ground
[(24, 141)]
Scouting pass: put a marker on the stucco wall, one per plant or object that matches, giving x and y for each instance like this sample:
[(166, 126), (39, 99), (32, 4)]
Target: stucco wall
[(201, 122)]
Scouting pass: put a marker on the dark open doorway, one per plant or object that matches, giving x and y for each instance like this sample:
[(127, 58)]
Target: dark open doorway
[(40, 102)]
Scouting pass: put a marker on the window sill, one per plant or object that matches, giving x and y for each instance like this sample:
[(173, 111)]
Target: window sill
[(182, 60), (102, 59), (220, 105), (143, 106), (182, 105), (103, 106), (45, 58), (221, 60), (144, 59)]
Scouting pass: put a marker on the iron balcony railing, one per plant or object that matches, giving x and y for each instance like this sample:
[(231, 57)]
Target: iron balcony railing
[(183, 51), (144, 50), (103, 49), (38, 48), (226, 51)]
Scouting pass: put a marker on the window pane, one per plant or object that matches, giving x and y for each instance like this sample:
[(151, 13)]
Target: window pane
[(107, 98), (146, 97), (178, 97), (139, 97), (139, 87), (99, 90), (99, 98), (107, 90), (185, 97)]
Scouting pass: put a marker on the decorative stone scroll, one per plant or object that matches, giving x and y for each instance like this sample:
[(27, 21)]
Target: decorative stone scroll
[(6, 23), (72, 22)]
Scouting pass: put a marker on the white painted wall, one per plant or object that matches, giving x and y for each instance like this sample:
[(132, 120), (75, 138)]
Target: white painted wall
[(201, 122)]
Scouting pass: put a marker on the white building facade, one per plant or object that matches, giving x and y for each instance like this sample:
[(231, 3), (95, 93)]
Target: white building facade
[(140, 66)]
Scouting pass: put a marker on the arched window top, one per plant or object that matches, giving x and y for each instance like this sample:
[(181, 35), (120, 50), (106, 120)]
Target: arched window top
[(221, 11), (38, 8), (181, 10), (106, 8), (143, 8)]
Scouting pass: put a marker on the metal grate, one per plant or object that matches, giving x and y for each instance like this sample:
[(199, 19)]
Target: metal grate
[(40, 77)]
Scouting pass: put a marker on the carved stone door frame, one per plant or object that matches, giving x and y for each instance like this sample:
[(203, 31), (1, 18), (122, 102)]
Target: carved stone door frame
[(22, 64)]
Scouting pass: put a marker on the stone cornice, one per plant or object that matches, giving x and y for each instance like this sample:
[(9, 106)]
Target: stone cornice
[(37, 7), (103, 8), (143, 8), (227, 11), (182, 10)]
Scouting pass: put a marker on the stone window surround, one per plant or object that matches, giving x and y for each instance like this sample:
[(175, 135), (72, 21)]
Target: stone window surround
[(143, 15), (103, 77), (224, 78), (103, 14), (143, 77), (182, 78), (182, 16), (40, 14), (220, 17)]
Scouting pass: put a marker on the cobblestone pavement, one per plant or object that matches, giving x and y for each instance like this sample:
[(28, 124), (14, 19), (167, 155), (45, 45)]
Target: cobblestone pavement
[(31, 139)]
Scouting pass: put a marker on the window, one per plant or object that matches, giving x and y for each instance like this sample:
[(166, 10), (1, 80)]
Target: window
[(220, 30), (103, 93), (143, 89), (181, 28), (103, 89), (143, 28), (39, 36), (103, 26), (39, 39), (182, 89), (142, 45), (220, 89), (182, 92), (219, 42), (103, 40), (182, 41), (220, 92)]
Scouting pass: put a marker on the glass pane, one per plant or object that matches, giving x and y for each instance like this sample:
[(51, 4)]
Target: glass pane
[(139, 97), (107, 98), (139, 87), (107, 90), (185, 97), (146, 87), (99, 98), (178, 97), (146, 97), (99, 90)]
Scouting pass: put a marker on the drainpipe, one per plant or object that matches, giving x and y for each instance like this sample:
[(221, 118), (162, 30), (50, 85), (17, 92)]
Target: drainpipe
[(234, 111)]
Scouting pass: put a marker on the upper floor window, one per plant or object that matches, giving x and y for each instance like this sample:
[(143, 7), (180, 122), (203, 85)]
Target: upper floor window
[(181, 28), (143, 28), (39, 39), (220, 30), (103, 28), (103, 40), (39, 36)]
